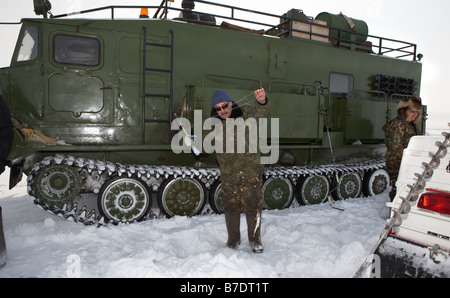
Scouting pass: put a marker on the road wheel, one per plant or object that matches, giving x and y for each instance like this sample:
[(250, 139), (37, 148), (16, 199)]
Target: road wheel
[(277, 193), (312, 190), (181, 196), (124, 199), (215, 197), (375, 182), (349, 187)]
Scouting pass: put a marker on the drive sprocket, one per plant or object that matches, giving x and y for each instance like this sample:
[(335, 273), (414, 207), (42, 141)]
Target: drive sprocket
[(55, 185)]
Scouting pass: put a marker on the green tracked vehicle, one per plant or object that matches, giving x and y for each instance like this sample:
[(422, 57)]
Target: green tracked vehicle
[(93, 101)]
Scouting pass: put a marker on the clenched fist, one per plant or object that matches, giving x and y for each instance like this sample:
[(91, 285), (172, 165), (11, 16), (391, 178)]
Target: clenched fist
[(260, 95)]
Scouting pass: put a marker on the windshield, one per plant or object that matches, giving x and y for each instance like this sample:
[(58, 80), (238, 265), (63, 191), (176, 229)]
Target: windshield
[(28, 49)]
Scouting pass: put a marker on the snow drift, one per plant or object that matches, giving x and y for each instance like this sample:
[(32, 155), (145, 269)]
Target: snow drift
[(309, 241)]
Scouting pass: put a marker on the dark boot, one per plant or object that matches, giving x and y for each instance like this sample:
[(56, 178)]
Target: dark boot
[(2, 243), (254, 232), (233, 227)]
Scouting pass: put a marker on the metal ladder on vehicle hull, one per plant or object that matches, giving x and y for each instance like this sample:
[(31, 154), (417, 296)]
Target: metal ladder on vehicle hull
[(145, 70)]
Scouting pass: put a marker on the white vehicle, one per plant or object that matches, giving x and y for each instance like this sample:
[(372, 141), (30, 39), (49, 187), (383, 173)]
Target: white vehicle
[(418, 232)]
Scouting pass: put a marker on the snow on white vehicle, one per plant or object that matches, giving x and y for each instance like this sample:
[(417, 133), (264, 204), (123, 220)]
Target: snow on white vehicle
[(418, 231)]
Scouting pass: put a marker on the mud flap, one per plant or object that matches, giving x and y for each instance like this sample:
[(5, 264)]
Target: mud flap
[(2, 243), (15, 175), (403, 259)]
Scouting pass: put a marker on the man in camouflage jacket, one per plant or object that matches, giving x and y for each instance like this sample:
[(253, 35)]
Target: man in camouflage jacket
[(241, 173), (398, 132)]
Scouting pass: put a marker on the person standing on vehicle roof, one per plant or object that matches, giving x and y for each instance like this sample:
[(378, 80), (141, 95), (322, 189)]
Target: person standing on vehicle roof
[(398, 132), (241, 173)]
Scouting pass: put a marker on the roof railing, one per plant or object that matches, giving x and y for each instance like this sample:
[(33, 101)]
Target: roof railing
[(374, 44)]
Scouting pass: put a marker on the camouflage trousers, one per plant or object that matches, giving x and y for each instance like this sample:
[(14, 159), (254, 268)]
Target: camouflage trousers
[(392, 167), (242, 196)]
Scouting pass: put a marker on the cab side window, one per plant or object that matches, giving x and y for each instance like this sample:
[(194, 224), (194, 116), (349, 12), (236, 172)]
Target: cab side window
[(28, 48), (76, 50)]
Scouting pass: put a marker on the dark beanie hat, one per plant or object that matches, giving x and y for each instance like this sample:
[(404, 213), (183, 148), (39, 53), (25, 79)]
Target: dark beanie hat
[(220, 96)]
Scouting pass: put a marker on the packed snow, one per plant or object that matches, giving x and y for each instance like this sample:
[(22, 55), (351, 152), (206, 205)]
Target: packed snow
[(309, 241)]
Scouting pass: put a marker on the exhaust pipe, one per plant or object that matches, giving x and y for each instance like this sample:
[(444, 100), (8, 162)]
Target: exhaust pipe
[(2, 243)]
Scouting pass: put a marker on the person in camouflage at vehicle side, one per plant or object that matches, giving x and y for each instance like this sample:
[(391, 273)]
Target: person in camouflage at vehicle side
[(6, 138), (241, 173), (6, 134), (398, 132)]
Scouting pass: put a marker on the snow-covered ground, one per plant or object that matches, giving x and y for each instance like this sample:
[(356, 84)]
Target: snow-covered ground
[(313, 241)]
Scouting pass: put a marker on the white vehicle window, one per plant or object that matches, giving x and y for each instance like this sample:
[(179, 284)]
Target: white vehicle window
[(29, 45)]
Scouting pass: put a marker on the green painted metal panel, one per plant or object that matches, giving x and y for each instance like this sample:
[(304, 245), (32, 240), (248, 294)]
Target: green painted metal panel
[(101, 105)]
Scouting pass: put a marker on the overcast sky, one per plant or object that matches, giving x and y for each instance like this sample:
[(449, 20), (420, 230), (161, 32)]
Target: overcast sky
[(424, 23)]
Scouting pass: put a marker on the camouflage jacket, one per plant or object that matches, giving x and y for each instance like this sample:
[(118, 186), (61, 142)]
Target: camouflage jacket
[(398, 132), (239, 164)]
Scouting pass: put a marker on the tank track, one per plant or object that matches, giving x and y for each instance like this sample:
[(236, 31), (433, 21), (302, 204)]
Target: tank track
[(96, 172)]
